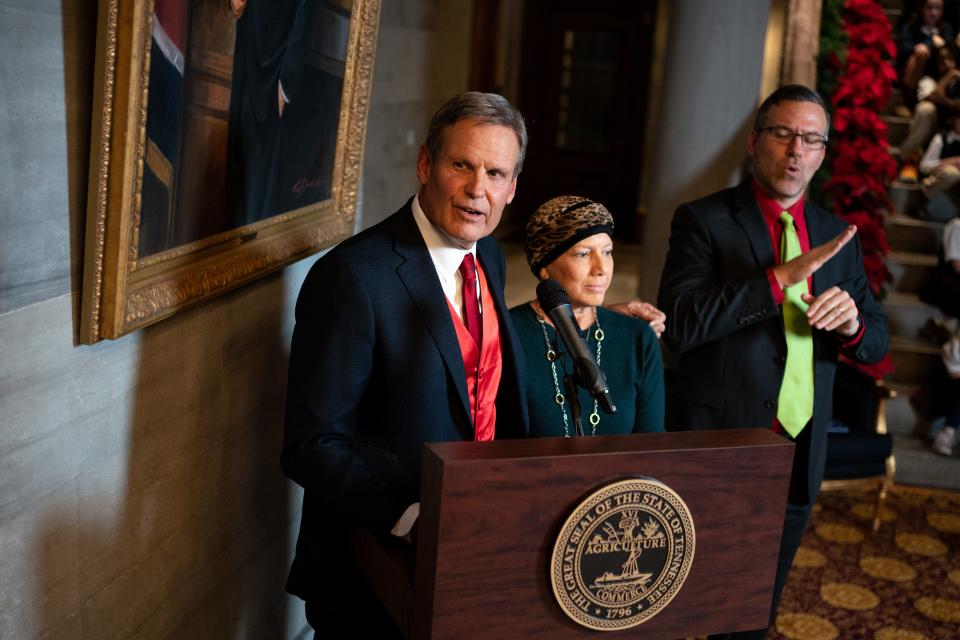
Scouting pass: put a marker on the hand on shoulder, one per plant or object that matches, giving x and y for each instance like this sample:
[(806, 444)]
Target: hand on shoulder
[(644, 310)]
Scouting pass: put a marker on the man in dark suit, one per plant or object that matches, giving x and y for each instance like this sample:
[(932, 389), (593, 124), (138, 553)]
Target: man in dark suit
[(273, 39), (387, 355), (726, 290)]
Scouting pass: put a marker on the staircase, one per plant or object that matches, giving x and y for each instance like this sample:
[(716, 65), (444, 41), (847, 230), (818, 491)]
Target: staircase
[(914, 244), (913, 255)]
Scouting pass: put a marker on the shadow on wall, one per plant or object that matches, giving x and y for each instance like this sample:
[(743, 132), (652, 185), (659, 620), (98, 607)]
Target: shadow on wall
[(181, 527), (198, 545)]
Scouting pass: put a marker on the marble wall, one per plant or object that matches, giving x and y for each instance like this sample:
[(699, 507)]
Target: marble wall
[(703, 108), (140, 487)]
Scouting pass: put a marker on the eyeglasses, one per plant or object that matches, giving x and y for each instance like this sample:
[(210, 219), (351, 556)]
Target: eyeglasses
[(784, 135)]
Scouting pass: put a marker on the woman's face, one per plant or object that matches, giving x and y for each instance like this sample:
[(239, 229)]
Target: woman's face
[(932, 12), (585, 270)]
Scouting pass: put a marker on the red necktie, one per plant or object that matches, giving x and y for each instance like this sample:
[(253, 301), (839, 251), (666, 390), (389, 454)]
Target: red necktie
[(471, 306)]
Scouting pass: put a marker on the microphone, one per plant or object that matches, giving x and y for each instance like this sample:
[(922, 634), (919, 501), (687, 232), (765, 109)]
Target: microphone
[(554, 301)]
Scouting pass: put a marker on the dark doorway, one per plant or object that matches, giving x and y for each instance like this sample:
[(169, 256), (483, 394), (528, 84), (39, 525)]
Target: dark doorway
[(583, 87)]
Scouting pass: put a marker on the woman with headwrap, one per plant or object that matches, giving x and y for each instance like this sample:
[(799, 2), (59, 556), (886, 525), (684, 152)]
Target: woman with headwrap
[(569, 239)]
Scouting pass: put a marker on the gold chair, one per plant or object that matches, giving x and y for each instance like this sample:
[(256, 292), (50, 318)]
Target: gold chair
[(863, 457)]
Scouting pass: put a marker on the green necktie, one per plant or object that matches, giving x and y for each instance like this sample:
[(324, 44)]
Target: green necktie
[(795, 406)]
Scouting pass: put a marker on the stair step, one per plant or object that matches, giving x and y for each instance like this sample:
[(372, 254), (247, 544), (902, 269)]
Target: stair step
[(907, 315), (906, 197), (915, 361), (892, 9), (897, 128), (903, 389), (906, 233), (906, 186), (910, 270), (918, 465), (913, 345), (901, 419), (896, 99)]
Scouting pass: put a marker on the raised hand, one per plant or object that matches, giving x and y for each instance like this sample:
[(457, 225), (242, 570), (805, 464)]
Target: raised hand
[(802, 267)]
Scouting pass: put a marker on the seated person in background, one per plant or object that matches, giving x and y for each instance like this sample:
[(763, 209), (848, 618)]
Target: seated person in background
[(938, 97), (920, 39), (941, 166), (943, 394), (946, 438), (568, 239), (947, 282)]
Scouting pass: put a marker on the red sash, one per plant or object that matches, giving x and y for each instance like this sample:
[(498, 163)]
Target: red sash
[(483, 364)]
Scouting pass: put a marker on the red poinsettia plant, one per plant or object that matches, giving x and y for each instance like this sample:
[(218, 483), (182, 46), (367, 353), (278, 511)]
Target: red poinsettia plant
[(861, 167)]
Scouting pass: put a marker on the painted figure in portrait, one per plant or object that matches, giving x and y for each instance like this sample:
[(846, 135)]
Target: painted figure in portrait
[(243, 107)]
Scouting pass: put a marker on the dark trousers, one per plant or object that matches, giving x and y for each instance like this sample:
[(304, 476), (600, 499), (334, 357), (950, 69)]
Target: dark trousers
[(353, 611), (799, 505)]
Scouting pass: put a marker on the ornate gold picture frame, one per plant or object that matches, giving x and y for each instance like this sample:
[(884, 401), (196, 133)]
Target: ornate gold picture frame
[(227, 142)]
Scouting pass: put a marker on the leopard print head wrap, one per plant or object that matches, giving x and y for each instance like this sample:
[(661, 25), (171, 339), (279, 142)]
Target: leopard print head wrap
[(561, 223)]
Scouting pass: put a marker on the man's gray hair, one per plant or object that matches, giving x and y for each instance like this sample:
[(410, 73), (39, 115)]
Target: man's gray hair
[(487, 109), (790, 93)]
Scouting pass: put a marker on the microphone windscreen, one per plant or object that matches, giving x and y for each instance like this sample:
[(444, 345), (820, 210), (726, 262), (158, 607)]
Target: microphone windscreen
[(551, 294)]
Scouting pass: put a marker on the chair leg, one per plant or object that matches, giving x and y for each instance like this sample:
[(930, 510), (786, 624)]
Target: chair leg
[(878, 505)]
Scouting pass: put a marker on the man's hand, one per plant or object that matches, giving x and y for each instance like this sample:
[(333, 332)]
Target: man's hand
[(643, 310), (802, 267), (833, 310)]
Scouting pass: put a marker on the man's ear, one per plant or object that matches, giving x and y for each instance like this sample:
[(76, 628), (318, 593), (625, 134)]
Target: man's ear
[(423, 165), (752, 143)]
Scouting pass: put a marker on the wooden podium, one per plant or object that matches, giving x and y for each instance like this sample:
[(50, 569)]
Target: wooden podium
[(491, 512)]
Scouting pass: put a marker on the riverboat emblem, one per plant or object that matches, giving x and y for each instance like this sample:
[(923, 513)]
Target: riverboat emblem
[(623, 554)]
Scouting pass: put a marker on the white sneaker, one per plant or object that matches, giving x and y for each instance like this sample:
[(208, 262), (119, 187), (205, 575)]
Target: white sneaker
[(943, 442)]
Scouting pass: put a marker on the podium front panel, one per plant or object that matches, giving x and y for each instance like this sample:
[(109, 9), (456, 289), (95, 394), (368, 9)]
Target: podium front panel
[(491, 513)]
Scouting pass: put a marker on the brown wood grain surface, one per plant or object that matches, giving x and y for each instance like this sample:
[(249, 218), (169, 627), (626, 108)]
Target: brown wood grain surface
[(490, 513)]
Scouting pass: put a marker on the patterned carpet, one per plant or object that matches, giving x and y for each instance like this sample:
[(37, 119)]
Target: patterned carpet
[(900, 583)]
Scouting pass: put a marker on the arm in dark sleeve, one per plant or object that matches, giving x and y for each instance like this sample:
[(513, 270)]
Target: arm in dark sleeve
[(331, 368), (872, 345), (650, 402), (701, 306)]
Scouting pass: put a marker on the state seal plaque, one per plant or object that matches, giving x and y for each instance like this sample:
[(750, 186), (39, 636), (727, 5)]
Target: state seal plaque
[(623, 554)]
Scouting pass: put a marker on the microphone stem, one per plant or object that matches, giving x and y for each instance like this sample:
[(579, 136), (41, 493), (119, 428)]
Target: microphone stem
[(573, 397)]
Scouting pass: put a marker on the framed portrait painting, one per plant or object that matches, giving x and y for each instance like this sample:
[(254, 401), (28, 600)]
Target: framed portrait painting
[(227, 142)]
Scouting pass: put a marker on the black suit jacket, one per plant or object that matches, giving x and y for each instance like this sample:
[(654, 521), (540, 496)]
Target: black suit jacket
[(375, 372), (728, 332)]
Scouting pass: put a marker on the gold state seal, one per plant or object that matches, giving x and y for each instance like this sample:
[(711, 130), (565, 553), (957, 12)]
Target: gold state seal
[(623, 554)]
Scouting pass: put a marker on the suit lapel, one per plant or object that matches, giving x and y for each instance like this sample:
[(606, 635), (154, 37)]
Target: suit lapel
[(815, 232), (746, 212), (511, 381), (417, 273), (748, 216), (491, 267)]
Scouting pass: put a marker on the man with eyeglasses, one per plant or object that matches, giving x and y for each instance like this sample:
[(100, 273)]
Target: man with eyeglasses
[(763, 290)]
